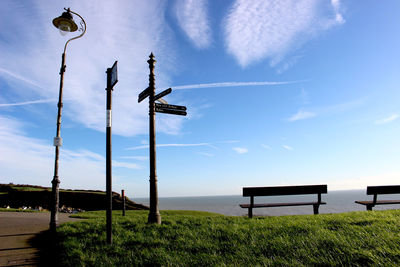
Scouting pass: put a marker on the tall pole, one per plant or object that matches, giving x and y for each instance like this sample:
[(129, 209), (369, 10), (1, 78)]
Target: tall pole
[(55, 198), (108, 159), (57, 143), (154, 214)]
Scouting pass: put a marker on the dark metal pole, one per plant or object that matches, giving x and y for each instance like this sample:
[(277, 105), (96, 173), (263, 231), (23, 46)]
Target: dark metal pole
[(154, 214), (123, 202), (57, 143), (108, 160), (58, 140)]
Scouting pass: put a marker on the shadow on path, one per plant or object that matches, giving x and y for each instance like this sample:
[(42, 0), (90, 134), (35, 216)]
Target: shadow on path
[(26, 241), (47, 248)]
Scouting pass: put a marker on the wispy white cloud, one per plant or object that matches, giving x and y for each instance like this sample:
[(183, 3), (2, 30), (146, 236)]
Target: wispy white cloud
[(230, 84), (192, 18), (305, 99), (327, 110), (240, 150), (287, 147), (40, 101), (126, 165), (31, 160), (259, 29), (140, 158), (266, 146), (302, 115), (387, 119), (12, 75), (337, 6), (32, 55), (172, 145), (205, 154)]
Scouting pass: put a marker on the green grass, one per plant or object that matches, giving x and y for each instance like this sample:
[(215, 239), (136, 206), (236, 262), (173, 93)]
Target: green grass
[(188, 238), (27, 188), (19, 210)]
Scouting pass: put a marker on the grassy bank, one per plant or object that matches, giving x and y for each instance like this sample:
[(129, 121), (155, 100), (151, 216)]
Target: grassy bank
[(204, 239), (16, 196)]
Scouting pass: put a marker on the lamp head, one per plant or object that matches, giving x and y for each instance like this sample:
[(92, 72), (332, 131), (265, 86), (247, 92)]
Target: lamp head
[(65, 23)]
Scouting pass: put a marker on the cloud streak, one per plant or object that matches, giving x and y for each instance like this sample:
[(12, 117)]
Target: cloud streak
[(40, 101), (39, 63), (172, 145), (387, 119), (288, 147), (231, 84), (240, 150), (192, 18), (302, 115), (19, 77), (31, 160), (259, 29), (328, 110)]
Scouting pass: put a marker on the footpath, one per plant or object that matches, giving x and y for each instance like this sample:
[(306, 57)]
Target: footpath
[(17, 229)]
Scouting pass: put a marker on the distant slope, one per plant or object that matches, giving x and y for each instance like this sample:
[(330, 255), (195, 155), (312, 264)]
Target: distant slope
[(17, 196)]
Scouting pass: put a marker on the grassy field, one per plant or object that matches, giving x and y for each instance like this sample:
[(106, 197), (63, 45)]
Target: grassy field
[(19, 210), (188, 238)]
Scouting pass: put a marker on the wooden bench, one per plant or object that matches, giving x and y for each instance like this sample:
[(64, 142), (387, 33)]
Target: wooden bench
[(283, 191), (380, 190)]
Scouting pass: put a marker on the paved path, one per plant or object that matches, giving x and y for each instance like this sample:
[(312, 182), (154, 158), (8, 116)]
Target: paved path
[(16, 230)]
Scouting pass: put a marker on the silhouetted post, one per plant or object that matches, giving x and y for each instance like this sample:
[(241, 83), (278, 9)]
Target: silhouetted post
[(111, 81), (154, 214), (123, 202)]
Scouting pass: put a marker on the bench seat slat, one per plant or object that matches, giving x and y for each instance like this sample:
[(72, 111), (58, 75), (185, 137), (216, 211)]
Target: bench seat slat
[(379, 202), (285, 190), (266, 205)]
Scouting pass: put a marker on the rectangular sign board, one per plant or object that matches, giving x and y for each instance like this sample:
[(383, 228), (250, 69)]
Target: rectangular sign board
[(163, 93), (171, 111), (145, 93), (162, 101), (112, 77), (167, 106)]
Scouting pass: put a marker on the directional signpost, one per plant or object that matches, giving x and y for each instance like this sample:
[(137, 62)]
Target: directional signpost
[(171, 109), (145, 93), (163, 93), (164, 107)]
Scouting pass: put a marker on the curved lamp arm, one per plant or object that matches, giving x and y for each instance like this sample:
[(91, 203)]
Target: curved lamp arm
[(82, 28)]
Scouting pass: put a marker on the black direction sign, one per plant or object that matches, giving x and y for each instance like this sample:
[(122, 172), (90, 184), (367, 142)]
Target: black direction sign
[(145, 93), (171, 111), (163, 93), (167, 106), (112, 76)]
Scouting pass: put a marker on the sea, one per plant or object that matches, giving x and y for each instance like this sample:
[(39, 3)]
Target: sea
[(337, 202)]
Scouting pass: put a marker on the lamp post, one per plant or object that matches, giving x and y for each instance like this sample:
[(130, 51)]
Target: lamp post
[(65, 24)]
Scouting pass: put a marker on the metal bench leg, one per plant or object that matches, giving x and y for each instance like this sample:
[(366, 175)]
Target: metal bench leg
[(369, 207), (316, 207), (250, 212), (251, 207)]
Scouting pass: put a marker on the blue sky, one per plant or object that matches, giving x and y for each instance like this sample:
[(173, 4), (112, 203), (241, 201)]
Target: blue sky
[(278, 93)]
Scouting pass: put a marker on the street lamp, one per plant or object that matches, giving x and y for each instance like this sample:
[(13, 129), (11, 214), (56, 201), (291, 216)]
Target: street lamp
[(65, 24)]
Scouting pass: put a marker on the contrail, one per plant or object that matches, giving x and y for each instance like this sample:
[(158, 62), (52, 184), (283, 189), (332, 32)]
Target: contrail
[(18, 77), (229, 84), (172, 145), (28, 102)]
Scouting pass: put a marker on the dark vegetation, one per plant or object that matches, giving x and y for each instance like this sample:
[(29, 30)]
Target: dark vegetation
[(16, 196)]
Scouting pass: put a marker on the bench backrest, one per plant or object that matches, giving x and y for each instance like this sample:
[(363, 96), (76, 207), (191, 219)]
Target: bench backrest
[(285, 190), (386, 189)]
